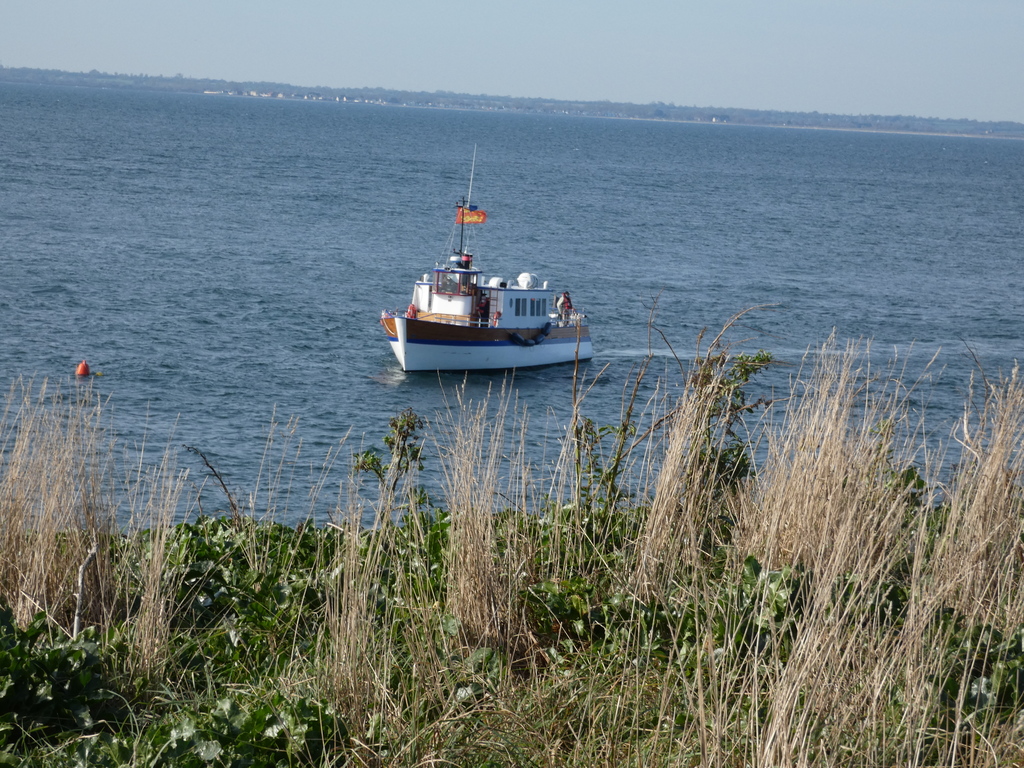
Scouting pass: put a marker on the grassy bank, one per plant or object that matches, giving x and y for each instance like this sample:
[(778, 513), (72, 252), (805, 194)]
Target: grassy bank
[(644, 599)]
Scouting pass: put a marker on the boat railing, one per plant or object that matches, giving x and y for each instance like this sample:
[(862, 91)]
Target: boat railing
[(576, 317), (450, 319)]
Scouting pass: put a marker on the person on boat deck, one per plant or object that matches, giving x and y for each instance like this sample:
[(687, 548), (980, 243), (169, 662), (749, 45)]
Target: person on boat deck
[(564, 304), (483, 309)]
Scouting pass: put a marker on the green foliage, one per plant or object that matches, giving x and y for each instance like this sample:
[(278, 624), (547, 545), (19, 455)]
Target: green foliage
[(417, 549), (273, 733), (242, 594), (403, 444), (49, 685), (722, 379), (758, 611), (561, 608), (256, 574), (985, 675)]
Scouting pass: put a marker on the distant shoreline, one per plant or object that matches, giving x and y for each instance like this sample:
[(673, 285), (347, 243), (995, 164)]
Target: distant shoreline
[(725, 124), (656, 112)]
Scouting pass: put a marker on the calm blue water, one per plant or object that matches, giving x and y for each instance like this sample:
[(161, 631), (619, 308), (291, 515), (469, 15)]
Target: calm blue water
[(221, 260)]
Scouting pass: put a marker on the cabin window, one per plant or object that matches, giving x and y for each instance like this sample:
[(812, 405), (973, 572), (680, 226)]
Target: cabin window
[(447, 282), (455, 283), (531, 307)]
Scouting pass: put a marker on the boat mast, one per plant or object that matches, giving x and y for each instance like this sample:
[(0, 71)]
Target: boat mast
[(465, 205)]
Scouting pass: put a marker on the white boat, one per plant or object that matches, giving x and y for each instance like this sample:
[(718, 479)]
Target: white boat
[(459, 320)]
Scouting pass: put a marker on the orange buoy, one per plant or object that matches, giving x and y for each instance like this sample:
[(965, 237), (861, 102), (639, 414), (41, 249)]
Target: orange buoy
[(83, 369), (411, 312)]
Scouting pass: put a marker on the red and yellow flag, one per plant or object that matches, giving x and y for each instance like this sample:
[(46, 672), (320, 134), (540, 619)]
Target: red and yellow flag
[(470, 216)]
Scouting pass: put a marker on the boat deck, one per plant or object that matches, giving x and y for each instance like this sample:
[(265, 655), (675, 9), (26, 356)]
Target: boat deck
[(470, 321)]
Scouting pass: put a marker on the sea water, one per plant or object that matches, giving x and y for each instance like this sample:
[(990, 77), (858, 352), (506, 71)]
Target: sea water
[(223, 261)]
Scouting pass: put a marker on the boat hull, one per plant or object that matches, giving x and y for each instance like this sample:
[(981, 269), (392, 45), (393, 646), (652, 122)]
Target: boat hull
[(421, 345)]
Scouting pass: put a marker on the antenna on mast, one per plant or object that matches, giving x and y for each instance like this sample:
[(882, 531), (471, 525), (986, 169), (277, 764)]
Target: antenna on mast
[(472, 169)]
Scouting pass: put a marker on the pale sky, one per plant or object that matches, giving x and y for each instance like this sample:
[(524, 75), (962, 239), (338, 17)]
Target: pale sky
[(929, 58)]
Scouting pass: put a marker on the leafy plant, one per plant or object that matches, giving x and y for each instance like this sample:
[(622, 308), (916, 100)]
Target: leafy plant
[(722, 379), (49, 686), (985, 675), (402, 442), (274, 733)]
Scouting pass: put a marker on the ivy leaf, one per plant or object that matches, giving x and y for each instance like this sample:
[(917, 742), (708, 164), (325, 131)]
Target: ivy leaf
[(450, 625), (208, 751)]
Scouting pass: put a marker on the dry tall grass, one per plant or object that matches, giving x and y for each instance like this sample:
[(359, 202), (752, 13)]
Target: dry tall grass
[(672, 534), (349, 639), (978, 560), (833, 505), (480, 464), (56, 505), (153, 496), (471, 452)]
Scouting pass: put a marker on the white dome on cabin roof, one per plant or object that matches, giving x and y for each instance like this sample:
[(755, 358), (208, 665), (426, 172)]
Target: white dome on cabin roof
[(527, 280)]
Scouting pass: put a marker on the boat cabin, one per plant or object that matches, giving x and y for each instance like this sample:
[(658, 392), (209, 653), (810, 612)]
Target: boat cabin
[(456, 293)]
